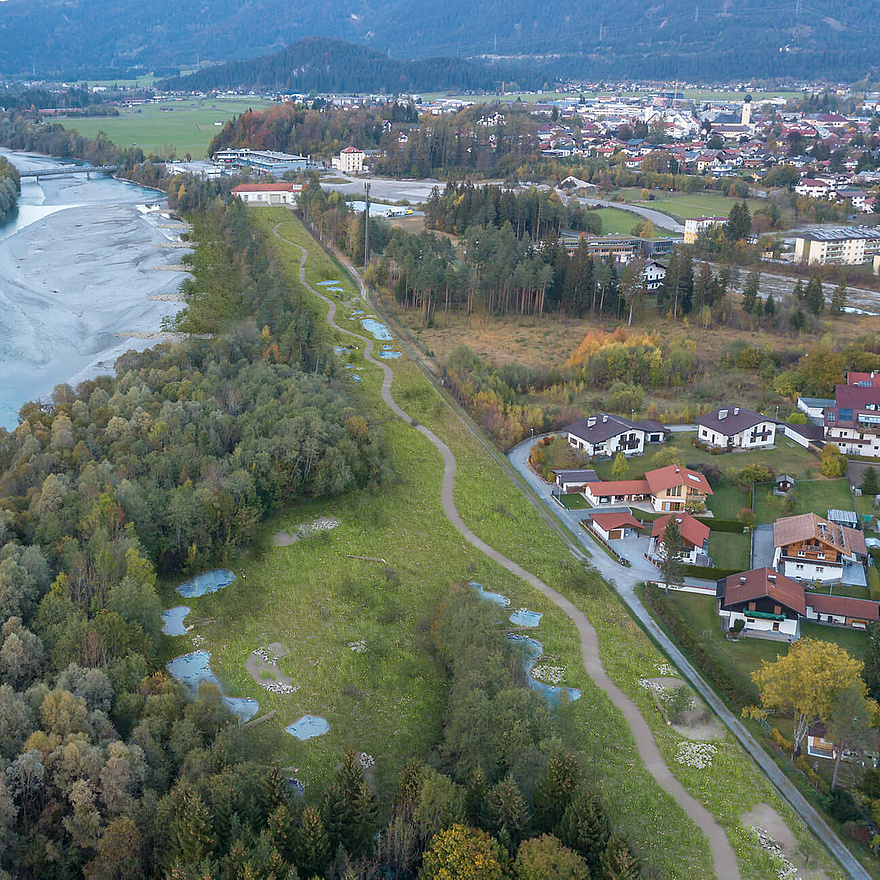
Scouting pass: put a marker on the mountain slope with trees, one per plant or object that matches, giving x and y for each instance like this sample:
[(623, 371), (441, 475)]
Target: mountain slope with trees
[(668, 39)]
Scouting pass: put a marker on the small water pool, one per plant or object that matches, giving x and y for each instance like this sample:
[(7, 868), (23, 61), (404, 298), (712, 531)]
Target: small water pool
[(497, 598), (378, 331), (206, 582), (524, 617), (357, 378), (308, 726), (334, 290), (389, 355), (534, 650), (328, 283), (173, 621), (340, 350), (196, 667)]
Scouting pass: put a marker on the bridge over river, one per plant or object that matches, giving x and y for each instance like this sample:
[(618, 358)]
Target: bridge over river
[(66, 170)]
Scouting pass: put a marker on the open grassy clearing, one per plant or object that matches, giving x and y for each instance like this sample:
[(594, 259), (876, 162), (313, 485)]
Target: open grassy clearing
[(404, 524), (622, 222), (177, 127), (682, 206), (729, 550), (810, 496)]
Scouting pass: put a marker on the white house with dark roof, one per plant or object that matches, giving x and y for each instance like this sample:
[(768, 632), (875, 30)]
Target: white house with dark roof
[(603, 435), (736, 427)]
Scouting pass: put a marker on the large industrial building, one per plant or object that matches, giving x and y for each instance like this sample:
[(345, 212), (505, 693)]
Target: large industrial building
[(260, 161)]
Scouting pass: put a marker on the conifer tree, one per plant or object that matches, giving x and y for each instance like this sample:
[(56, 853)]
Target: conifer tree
[(838, 299), (350, 808), (311, 846), (750, 292), (672, 545), (507, 813), (556, 789), (584, 828), (618, 861)]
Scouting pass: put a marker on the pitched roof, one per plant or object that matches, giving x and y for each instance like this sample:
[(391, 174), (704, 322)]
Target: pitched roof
[(675, 475), (808, 526), (352, 150), (844, 606), (761, 583), (266, 187), (615, 519), (619, 487), (571, 475), (693, 532), (649, 425), (731, 420), (600, 427)]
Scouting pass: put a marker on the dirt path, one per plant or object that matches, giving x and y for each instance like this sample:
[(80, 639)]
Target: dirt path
[(722, 852)]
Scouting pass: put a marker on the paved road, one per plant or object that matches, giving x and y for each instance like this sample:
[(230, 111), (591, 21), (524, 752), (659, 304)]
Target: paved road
[(722, 852), (624, 581), (658, 218)]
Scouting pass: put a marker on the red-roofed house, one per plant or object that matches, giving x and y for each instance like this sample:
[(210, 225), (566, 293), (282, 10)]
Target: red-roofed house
[(615, 524), (281, 193), (694, 537), (769, 604), (673, 487), (349, 161)]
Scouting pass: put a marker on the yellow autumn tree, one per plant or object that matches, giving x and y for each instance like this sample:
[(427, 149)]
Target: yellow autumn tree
[(463, 853), (806, 682)]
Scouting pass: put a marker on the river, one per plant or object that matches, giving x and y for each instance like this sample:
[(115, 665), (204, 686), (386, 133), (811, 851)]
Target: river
[(80, 264)]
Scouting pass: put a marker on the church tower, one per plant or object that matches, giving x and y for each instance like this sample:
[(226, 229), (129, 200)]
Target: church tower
[(747, 110)]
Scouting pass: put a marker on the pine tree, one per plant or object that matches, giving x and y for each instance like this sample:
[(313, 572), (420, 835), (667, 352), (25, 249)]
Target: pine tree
[(798, 321), (770, 306), (350, 808), (814, 296), (311, 846), (871, 671), (672, 545), (618, 861), (798, 291), (190, 834), (838, 299), (584, 828), (556, 789), (750, 292), (507, 813)]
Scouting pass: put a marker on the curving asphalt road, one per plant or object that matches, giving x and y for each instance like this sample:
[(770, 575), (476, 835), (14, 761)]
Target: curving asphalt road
[(658, 218), (722, 852)]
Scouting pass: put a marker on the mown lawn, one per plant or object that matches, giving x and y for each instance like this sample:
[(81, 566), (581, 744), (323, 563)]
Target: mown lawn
[(730, 550), (388, 700), (682, 206), (810, 496), (574, 501), (622, 222)]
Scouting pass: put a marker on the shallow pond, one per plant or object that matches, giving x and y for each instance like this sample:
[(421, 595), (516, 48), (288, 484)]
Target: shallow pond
[(195, 667), (328, 283), (524, 617), (308, 726), (173, 621), (497, 598), (378, 331), (206, 582), (389, 355), (534, 650)]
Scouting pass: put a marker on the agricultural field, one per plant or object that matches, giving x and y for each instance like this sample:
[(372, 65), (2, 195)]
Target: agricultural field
[(387, 697), (170, 128)]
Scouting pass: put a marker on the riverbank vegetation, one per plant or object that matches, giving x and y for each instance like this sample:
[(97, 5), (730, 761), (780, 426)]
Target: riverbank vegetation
[(10, 188)]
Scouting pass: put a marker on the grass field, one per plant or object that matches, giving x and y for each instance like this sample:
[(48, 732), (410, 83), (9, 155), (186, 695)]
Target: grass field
[(682, 206), (620, 221), (172, 127), (730, 550), (388, 701), (811, 496)]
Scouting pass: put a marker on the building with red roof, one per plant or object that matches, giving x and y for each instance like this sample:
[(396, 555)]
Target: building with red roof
[(694, 537), (266, 194)]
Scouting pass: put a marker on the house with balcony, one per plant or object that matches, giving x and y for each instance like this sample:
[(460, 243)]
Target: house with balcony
[(694, 538), (603, 435), (670, 488), (809, 548), (736, 427), (853, 423), (770, 605)]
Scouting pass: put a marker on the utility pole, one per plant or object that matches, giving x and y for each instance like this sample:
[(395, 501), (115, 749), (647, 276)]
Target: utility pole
[(367, 227)]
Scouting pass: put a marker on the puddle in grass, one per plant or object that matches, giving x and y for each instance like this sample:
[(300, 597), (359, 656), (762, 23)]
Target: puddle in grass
[(195, 667), (308, 726), (172, 621), (206, 582)]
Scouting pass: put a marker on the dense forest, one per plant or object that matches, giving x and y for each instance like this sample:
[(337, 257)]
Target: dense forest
[(319, 64), (10, 187)]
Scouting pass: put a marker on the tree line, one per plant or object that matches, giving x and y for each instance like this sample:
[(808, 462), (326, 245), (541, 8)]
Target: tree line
[(10, 188)]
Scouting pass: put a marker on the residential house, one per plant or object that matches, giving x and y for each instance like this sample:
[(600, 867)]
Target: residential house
[(853, 423), (810, 548), (614, 524), (602, 435), (675, 488), (814, 407), (653, 273), (667, 489), (770, 604), (574, 480), (694, 536), (736, 428), (349, 161), (814, 188)]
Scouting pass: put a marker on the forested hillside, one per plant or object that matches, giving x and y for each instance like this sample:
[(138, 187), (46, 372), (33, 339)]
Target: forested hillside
[(668, 39), (318, 64)]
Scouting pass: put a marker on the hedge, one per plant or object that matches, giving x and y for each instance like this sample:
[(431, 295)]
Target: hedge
[(732, 684), (874, 583), (721, 525), (709, 574)]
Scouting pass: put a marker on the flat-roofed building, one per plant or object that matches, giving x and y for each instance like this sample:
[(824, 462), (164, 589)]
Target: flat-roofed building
[(693, 226), (840, 245)]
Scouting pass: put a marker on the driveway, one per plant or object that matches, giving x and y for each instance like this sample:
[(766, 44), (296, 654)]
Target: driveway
[(762, 547), (658, 218)]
